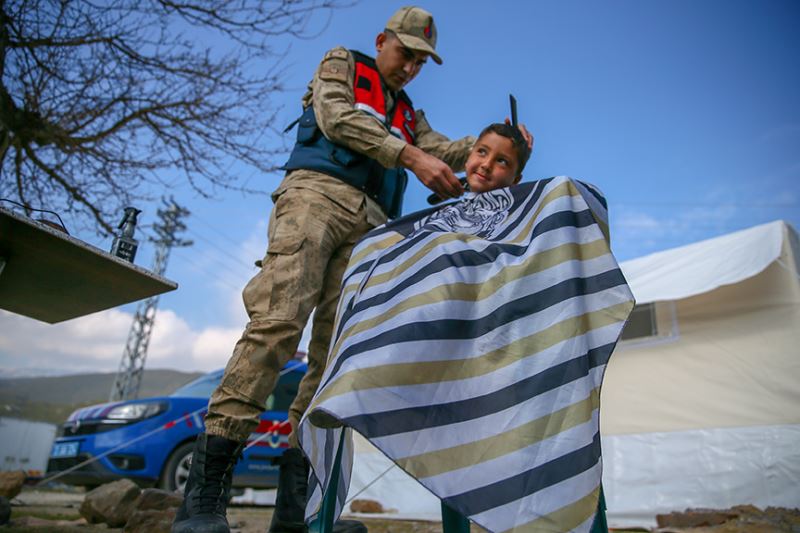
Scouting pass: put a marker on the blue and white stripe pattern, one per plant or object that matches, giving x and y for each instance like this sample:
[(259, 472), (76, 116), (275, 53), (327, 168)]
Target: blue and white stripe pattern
[(469, 346)]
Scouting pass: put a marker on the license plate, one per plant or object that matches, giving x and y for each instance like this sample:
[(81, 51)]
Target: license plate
[(65, 449)]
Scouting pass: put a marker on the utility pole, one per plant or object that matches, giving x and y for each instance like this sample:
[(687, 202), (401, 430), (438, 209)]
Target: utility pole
[(129, 376)]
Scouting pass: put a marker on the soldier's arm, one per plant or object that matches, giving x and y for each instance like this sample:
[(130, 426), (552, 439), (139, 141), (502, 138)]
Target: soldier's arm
[(340, 121), (454, 153)]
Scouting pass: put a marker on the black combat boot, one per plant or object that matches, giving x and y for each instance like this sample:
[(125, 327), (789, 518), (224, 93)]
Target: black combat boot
[(209, 485), (290, 502)]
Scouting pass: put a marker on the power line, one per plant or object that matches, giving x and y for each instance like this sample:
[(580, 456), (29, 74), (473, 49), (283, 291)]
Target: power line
[(209, 274), (216, 230), (234, 271), (224, 251), (192, 262)]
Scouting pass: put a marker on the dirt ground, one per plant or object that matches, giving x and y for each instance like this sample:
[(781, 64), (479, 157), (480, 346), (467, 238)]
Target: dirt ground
[(50, 511), (47, 511)]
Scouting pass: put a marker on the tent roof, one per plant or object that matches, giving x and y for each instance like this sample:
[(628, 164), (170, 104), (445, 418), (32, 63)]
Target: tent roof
[(703, 266)]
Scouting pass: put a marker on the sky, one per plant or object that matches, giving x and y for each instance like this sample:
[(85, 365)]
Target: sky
[(685, 114)]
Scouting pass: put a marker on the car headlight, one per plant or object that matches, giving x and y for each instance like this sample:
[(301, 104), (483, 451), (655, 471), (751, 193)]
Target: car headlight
[(136, 411)]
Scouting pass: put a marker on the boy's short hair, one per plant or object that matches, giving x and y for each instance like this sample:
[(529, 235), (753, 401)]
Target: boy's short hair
[(517, 141)]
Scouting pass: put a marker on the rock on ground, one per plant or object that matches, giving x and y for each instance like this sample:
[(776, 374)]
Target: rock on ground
[(695, 518), (251, 519), (112, 503), (158, 500), (151, 521), (154, 512), (11, 483), (366, 506), (738, 519)]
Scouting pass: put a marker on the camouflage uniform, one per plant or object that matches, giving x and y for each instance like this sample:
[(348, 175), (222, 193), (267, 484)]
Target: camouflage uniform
[(314, 224)]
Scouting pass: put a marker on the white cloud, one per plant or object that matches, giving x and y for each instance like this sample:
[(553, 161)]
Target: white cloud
[(687, 222), (171, 343), (88, 342), (634, 222), (637, 231), (213, 346), (95, 343)]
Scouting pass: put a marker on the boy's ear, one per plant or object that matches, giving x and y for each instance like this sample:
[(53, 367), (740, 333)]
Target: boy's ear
[(517, 179)]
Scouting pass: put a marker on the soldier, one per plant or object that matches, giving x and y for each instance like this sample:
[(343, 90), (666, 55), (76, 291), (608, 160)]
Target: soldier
[(358, 133)]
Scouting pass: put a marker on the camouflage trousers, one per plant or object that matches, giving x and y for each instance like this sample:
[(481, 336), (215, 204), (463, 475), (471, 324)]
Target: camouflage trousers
[(310, 240)]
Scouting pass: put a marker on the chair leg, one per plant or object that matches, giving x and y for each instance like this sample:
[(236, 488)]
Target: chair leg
[(453, 521), (324, 521), (600, 524)]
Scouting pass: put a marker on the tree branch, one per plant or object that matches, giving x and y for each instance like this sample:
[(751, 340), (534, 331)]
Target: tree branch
[(103, 102), (73, 192)]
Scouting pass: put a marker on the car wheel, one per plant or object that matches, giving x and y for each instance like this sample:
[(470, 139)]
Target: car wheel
[(176, 469)]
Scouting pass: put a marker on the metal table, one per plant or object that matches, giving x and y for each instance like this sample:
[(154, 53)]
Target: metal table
[(50, 276)]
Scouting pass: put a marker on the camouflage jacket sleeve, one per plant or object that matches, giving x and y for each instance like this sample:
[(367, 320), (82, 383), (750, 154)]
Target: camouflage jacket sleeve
[(454, 153)]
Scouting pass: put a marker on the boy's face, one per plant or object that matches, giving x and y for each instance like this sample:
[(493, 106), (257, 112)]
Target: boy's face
[(492, 164)]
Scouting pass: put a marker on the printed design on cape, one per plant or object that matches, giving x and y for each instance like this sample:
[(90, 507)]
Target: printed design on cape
[(478, 216)]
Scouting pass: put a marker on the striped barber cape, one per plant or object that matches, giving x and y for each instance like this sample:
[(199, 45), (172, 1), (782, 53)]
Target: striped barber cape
[(469, 347)]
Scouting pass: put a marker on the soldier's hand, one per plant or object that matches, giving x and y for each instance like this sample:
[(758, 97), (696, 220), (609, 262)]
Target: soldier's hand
[(525, 133), (431, 171)]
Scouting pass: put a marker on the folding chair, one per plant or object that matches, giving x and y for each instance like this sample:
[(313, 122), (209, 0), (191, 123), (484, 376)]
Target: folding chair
[(452, 520)]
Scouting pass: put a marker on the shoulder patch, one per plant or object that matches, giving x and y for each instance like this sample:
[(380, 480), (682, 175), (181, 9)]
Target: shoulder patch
[(334, 69), (336, 53), (335, 65)]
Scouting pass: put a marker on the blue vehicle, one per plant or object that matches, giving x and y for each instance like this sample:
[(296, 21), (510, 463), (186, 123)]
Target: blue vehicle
[(150, 441)]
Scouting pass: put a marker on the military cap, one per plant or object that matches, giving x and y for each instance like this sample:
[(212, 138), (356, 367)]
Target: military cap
[(415, 28)]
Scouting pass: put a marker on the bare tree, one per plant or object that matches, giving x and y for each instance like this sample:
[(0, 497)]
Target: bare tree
[(106, 102)]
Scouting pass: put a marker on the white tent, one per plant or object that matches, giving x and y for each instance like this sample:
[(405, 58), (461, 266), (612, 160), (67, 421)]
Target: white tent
[(703, 409), (701, 405)]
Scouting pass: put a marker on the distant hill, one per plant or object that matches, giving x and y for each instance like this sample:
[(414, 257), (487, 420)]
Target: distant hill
[(52, 399)]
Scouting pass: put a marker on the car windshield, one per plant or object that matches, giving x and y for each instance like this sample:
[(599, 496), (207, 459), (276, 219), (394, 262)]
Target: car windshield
[(202, 387)]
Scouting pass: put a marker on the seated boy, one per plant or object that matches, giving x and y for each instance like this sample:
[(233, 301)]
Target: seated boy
[(469, 347), (495, 162), (497, 158)]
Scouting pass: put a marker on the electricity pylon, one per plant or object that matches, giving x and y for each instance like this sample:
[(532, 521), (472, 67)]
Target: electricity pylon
[(129, 376)]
